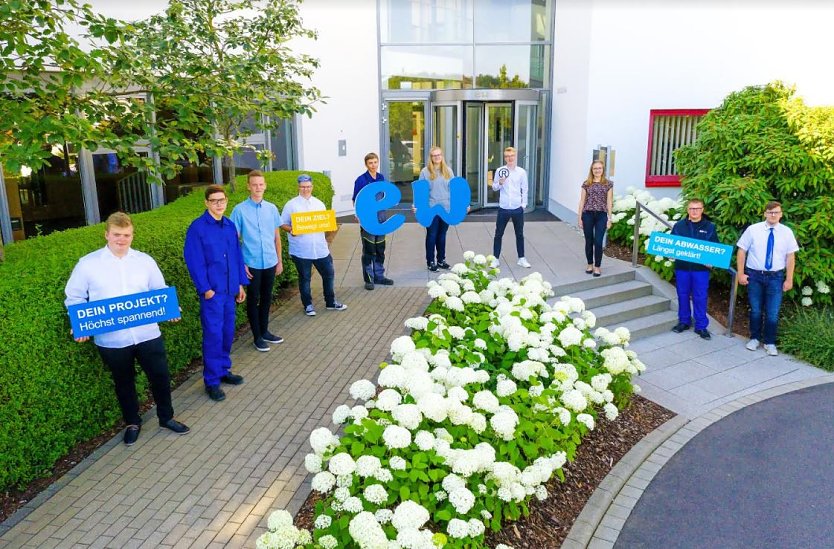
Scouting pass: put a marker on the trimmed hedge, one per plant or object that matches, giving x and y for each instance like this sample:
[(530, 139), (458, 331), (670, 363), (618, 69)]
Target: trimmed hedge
[(54, 392)]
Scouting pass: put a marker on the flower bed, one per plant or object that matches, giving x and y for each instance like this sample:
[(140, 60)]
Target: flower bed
[(481, 405)]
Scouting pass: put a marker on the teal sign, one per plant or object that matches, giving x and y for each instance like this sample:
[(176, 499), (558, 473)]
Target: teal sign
[(693, 250), (127, 311)]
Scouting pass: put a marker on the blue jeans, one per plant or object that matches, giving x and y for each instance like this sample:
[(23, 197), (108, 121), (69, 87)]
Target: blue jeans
[(324, 266), (504, 216), (593, 225), (764, 291), (436, 240), (694, 285)]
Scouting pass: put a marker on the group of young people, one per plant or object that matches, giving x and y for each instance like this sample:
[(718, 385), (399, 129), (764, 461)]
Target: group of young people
[(765, 260)]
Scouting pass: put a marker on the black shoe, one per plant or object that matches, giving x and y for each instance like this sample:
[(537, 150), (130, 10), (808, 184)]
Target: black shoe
[(443, 265), (680, 327), (433, 267), (385, 281), (176, 426), (216, 393), (261, 345), (704, 334), (131, 434), (232, 379), (269, 337), (369, 285)]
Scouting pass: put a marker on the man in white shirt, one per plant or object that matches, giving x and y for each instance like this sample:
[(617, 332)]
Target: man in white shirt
[(310, 250), (765, 264), (113, 271), (511, 183)]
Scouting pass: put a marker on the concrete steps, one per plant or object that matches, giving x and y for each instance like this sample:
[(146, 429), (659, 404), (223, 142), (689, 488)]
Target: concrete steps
[(620, 299)]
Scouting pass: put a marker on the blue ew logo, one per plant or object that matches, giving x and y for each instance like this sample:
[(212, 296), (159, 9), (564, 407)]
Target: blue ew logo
[(367, 205)]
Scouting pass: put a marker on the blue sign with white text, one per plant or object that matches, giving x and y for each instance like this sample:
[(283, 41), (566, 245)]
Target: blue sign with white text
[(128, 311), (693, 250)]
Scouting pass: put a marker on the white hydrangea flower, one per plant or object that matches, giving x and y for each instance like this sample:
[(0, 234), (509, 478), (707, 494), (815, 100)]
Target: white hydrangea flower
[(352, 504), (570, 336), (344, 481), (424, 440), (807, 290), (376, 494), (616, 360), (417, 323), (623, 333), (322, 440), (409, 514), (436, 291), (359, 412), (822, 287), (407, 415), (468, 255), (470, 297), (384, 516), (341, 464), (322, 522), (486, 401), (807, 301), (453, 304), (505, 387), (396, 437), (323, 482), (456, 332), (433, 406), (397, 463), (459, 268), (367, 466), (367, 532), (328, 542), (574, 400), (504, 423), (458, 528), (392, 376), (362, 389), (312, 462), (388, 399), (611, 411), (341, 414), (457, 393), (462, 500), (587, 420)]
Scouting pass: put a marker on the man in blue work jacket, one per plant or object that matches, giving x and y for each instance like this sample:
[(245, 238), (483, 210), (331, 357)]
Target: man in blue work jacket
[(215, 263), (692, 279)]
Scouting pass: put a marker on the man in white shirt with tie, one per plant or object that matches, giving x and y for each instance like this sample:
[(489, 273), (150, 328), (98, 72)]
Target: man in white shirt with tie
[(511, 183), (765, 264)]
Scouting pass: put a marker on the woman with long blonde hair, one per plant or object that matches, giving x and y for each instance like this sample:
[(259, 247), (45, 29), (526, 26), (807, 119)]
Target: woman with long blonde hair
[(596, 202), (438, 174)]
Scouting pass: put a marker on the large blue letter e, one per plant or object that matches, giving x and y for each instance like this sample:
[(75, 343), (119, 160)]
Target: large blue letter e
[(367, 206)]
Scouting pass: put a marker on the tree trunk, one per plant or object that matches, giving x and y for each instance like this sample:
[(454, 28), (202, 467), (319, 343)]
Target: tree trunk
[(229, 165)]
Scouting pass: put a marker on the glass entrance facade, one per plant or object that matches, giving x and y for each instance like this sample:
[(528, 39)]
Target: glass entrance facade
[(478, 73)]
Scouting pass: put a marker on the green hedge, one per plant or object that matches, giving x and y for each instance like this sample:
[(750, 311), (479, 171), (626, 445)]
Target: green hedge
[(54, 392)]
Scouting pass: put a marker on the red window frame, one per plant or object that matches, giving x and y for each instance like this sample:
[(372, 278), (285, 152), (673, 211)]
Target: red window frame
[(665, 180)]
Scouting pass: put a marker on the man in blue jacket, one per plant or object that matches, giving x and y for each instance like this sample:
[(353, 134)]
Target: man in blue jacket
[(215, 263), (692, 279), (373, 246)]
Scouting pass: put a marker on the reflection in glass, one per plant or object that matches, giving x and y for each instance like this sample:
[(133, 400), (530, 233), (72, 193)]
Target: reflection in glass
[(281, 140), (526, 145), (473, 151), (446, 133), (120, 187), (50, 199), (425, 21), (407, 151), (499, 135), (426, 67), (512, 20), (512, 66)]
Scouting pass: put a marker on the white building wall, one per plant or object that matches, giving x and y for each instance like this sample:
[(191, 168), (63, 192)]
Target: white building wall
[(348, 78), (663, 55)]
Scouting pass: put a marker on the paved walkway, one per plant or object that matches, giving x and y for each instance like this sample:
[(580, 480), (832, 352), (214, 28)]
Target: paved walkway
[(244, 456)]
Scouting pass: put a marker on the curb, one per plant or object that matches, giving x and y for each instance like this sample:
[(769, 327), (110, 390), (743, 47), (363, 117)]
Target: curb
[(602, 519)]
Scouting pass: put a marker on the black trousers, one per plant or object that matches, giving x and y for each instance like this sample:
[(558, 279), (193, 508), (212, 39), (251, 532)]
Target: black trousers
[(373, 256), (259, 299), (593, 225), (505, 216), (154, 361)]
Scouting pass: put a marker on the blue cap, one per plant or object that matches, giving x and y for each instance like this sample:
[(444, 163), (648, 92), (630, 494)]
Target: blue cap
[(304, 177)]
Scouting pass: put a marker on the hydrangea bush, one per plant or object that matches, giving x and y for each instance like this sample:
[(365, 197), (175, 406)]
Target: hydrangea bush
[(479, 407), (622, 224)]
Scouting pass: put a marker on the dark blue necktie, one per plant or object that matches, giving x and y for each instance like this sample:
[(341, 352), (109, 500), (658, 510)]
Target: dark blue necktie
[(769, 256)]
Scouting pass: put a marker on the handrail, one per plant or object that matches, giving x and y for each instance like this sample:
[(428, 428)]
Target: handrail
[(733, 273)]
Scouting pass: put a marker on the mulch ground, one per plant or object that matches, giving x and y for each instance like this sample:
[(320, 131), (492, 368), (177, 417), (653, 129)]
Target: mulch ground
[(550, 520)]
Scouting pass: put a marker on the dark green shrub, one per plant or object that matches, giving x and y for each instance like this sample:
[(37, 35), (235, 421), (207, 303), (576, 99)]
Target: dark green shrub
[(794, 332), (54, 392), (764, 144)]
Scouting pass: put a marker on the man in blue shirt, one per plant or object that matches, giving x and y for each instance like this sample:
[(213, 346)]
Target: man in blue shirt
[(692, 279), (215, 263), (258, 225), (373, 246)]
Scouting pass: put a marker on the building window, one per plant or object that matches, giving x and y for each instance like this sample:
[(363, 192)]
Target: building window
[(668, 131)]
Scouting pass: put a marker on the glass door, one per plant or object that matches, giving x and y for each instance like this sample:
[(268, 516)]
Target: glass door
[(446, 133), (526, 144), (498, 134), (473, 150), (406, 129)]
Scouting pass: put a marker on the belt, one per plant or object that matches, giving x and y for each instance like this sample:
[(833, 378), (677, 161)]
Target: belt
[(765, 273)]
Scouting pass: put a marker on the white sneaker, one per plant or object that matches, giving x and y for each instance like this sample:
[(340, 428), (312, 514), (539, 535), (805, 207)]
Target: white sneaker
[(752, 345), (522, 262), (770, 349), (495, 264)]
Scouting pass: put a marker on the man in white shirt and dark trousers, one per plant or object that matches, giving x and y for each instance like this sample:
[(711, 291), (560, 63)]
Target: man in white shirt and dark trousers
[(511, 183), (765, 263), (113, 271), (310, 250)]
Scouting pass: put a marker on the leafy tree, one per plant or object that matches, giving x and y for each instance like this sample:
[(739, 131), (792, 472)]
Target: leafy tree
[(213, 65), (502, 81), (763, 143)]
